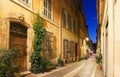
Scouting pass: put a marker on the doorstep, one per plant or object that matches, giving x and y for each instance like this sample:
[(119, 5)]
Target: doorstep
[(22, 74)]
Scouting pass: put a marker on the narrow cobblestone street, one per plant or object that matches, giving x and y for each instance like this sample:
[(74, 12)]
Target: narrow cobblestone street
[(87, 70), (59, 38), (84, 68)]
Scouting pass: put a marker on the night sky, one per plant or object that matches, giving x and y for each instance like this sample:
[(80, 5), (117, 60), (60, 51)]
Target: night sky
[(89, 8)]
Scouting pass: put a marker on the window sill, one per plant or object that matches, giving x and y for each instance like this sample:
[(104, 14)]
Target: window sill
[(45, 17), (49, 20), (69, 30)]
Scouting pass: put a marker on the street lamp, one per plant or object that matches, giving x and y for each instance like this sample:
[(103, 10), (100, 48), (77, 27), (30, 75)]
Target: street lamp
[(87, 39), (86, 47)]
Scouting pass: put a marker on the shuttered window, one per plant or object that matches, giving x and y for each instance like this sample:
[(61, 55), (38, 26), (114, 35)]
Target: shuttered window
[(72, 49), (63, 18), (49, 46), (65, 42)]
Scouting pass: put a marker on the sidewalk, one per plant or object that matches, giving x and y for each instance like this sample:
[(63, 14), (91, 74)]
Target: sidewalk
[(84, 68), (99, 73), (57, 69)]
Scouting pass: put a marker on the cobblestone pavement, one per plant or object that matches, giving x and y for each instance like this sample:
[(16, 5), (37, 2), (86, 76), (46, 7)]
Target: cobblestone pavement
[(66, 70), (99, 73), (86, 71), (80, 69), (84, 68)]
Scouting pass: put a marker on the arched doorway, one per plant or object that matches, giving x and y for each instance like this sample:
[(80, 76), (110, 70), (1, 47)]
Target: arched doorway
[(18, 39)]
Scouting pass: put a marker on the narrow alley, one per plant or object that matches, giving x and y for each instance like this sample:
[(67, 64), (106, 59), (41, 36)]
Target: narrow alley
[(79, 69), (83, 68), (59, 38)]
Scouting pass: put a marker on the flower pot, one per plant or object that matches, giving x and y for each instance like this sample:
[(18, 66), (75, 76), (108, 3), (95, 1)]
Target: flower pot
[(99, 66)]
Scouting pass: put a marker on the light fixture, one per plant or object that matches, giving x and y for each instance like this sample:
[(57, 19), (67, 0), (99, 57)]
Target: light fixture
[(87, 38)]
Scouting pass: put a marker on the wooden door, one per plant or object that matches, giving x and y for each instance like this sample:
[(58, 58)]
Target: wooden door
[(18, 38)]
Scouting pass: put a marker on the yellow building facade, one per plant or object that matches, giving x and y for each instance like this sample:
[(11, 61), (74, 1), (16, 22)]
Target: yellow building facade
[(83, 41), (62, 22)]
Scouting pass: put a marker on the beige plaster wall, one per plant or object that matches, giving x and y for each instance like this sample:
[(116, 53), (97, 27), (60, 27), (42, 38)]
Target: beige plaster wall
[(117, 39)]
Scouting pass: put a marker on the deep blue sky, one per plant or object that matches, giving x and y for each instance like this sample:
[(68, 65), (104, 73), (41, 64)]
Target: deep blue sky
[(89, 8)]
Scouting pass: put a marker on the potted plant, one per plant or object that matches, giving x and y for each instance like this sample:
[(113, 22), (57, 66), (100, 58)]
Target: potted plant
[(99, 61)]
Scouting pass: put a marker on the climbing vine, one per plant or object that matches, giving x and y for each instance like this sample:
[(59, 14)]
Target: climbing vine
[(39, 34)]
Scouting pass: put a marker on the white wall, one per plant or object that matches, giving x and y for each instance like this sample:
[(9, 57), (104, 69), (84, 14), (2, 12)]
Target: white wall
[(117, 39), (110, 54)]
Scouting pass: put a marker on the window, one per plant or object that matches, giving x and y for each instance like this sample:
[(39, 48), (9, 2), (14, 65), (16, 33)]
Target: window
[(72, 49), (69, 22), (82, 41), (63, 18), (28, 2), (49, 46), (65, 42), (74, 26), (47, 5)]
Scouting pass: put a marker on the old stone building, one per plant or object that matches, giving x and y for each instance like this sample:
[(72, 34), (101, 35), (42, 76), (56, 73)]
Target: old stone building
[(64, 22), (109, 36), (83, 41)]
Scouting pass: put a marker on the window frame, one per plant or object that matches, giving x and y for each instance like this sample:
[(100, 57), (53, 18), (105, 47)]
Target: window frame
[(69, 21), (43, 7), (29, 4), (74, 26), (66, 48), (72, 48), (64, 17), (48, 47), (24, 5)]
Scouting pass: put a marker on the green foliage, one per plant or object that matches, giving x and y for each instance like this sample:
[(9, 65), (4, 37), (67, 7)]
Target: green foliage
[(40, 64), (51, 65), (46, 64), (35, 62), (7, 63), (60, 62), (99, 59), (40, 32)]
